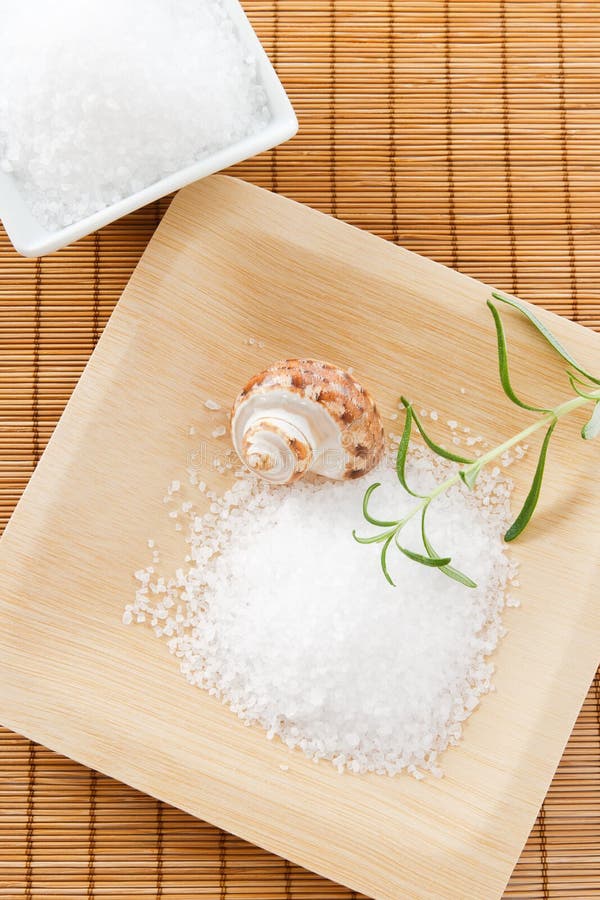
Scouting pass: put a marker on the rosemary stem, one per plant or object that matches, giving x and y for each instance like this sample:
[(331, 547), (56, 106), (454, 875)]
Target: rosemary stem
[(553, 415)]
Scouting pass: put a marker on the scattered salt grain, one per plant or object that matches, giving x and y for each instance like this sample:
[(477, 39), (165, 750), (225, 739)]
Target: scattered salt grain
[(100, 100), (284, 618), (434, 415), (192, 430), (211, 404), (219, 431)]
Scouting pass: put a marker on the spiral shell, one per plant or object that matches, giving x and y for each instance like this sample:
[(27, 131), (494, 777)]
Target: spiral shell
[(302, 415)]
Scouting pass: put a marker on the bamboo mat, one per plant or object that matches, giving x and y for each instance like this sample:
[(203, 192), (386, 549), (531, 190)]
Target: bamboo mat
[(466, 131)]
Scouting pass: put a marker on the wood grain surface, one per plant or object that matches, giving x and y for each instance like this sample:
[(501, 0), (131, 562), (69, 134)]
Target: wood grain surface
[(229, 262)]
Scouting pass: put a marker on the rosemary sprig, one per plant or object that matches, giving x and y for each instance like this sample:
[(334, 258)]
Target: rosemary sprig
[(587, 390)]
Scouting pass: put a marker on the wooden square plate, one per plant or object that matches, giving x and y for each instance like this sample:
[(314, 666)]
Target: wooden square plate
[(231, 263)]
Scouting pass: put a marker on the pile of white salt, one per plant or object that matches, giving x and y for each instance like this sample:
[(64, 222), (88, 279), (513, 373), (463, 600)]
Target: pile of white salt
[(101, 99), (280, 614)]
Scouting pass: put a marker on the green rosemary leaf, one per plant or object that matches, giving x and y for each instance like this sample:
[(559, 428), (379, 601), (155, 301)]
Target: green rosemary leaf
[(580, 380), (469, 476), (436, 562), (575, 384), (366, 514), (383, 558), (533, 496), (503, 364), (545, 332), (403, 450), (448, 570), (592, 428), (375, 539), (441, 451)]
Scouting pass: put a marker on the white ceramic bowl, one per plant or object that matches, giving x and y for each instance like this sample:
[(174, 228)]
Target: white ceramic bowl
[(31, 239)]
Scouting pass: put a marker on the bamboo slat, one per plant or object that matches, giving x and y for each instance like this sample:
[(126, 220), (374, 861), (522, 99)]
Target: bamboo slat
[(466, 131)]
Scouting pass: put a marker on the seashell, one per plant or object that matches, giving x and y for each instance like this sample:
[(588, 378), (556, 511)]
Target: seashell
[(303, 415)]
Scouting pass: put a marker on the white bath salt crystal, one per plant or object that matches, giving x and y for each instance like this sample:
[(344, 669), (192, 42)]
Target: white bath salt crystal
[(219, 431), (173, 514), (178, 526), (127, 616), (423, 413), (79, 127), (463, 390), (452, 424), (186, 506), (266, 623), (211, 404), (284, 768), (151, 543), (201, 486), (192, 430), (174, 487), (394, 416), (434, 415), (261, 345), (456, 440)]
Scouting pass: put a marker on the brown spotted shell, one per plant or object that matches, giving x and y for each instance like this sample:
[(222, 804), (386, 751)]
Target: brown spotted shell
[(303, 415)]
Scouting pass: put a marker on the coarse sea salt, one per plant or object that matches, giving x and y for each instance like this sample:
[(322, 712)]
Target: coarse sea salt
[(283, 617), (100, 100)]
